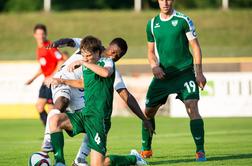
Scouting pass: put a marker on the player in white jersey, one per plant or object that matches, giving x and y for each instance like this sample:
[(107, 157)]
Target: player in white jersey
[(67, 89)]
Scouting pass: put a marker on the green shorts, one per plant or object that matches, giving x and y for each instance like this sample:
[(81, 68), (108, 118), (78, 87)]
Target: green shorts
[(183, 84), (93, 126)]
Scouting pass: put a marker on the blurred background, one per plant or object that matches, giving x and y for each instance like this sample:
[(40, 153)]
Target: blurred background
[(224, 30)]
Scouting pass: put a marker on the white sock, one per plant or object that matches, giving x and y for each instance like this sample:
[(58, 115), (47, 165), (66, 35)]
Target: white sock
[(47, 136), (84, 150)]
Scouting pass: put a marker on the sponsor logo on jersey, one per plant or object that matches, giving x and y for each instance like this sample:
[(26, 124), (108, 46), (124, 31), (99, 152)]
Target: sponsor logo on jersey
[(175, 23), (157, 25)]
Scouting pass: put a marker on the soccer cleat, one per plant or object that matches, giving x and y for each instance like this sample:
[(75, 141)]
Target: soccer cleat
[(146, 153), (200, 156), (78, 163), (140, 160), (47, 147)]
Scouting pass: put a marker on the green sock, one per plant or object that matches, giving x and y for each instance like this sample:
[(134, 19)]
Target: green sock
[(146, 137), (58, 144), (197, 130), (116, 160)]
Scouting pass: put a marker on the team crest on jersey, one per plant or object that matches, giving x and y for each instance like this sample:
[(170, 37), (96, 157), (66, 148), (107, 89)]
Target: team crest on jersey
[(175, 23), (157, 25)]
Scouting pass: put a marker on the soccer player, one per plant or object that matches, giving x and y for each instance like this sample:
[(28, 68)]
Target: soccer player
[(169, 35), (67, 90), (49, 60), (99, 78)]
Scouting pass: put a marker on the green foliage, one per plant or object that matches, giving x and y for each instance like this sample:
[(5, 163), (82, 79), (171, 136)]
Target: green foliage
[(32, 5), (241, 3), (23, 5)]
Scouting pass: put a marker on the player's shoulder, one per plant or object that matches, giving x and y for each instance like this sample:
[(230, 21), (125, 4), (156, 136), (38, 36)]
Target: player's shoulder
[(106, 60), (181, 16)]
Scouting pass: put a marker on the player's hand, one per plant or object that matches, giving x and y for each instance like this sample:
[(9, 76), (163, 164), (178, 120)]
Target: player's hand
[(148, 125), (201, 80), (74, 65), (29, 82), (158, 72), (52, 82)]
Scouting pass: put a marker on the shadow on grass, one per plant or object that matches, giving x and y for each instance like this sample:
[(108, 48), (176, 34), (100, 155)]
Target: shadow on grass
[(217, 158)]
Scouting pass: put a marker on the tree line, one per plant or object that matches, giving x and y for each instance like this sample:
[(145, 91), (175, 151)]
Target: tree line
[(59, 5)]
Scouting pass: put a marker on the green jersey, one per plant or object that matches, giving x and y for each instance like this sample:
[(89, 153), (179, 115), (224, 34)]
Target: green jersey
[(171, 38), (99, 90)]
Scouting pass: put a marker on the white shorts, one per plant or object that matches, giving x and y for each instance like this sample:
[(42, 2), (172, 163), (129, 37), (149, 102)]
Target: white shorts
[(75, 96)]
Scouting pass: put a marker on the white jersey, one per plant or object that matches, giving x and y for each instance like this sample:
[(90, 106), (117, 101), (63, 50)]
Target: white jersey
[(75, 95)]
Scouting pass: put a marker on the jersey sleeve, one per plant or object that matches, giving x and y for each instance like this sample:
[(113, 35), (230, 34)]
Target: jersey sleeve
[(149, 33), (119, 83), (189, 29), (108, 62), (56, 54), (77, 42)]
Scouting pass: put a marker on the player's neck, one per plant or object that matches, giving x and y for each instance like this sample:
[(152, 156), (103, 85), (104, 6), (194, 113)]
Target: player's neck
[(166, 15), (41, 43)]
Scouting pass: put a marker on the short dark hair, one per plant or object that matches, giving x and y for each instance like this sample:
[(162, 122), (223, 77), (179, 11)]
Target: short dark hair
[(40, 26), (121, 43), (91, 44)]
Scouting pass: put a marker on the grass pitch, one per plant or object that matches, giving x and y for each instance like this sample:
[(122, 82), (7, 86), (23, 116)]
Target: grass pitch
[(228, 141), (221, 33)]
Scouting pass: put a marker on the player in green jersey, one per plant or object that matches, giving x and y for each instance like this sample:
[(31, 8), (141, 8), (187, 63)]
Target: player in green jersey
[(99, 78), (169, 35)]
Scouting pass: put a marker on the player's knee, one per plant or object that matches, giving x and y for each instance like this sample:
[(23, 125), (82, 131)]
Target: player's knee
[(191, 104), (61, 103), (192, 108), (40, 107), (54, 122), (53, 112), (150, 112)]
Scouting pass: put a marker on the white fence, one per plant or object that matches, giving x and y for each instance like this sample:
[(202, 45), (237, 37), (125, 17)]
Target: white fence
[(226, 94)]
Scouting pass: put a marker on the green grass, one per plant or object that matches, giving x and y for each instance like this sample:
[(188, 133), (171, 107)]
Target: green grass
[(221, 33), (228, 141)]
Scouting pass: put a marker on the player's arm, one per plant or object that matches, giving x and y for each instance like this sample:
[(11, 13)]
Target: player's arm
[(101, 71), (156, 69), (197, 53), (38, 73), (130, 100), (79, 84), (105, 71), (66, 42)]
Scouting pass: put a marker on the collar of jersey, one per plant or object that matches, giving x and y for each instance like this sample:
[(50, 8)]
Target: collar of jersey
[(162, 19)]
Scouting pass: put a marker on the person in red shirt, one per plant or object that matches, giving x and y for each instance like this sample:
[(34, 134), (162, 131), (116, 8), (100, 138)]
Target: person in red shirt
[(50, 60)]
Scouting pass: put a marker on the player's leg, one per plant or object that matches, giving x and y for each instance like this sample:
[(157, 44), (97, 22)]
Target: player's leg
[(189, 94), (83, 152), (45, 96), (156, 96), (96, 158), (60, 106), (59, 122), (197, 128), (146, 150), (133, 159), (40, 106)]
